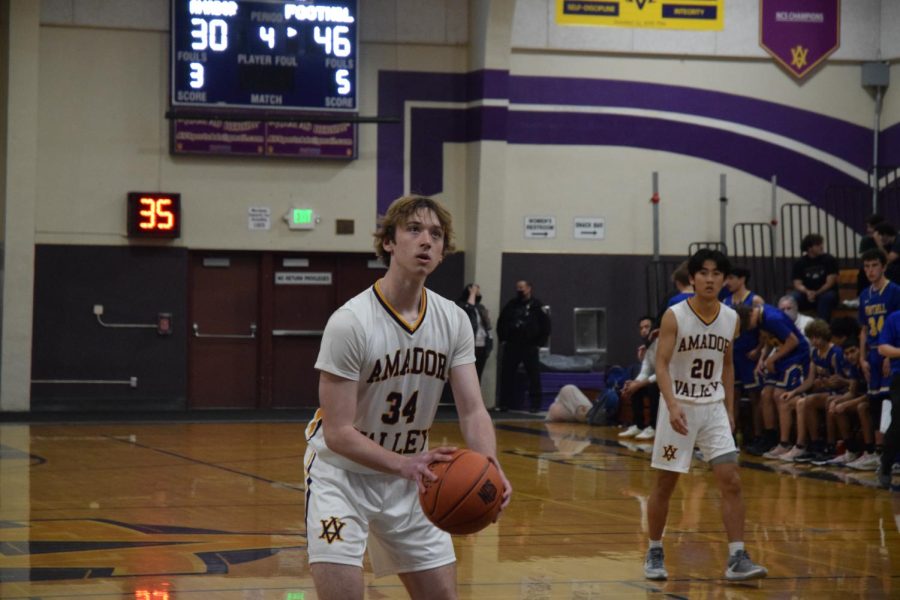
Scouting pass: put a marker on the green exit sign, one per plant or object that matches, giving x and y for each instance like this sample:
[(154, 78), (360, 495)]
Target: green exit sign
[(301, 218), (295, 596)]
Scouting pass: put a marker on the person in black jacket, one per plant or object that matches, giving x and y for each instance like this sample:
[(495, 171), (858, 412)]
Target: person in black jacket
[(815, 277), (523, 327), (470, 301)]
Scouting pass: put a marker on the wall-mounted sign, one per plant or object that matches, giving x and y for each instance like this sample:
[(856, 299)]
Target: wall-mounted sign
[(302, 278), (259, 218), (540, 227), (589, 228), (279, 139), (799, 34), (702, 15)]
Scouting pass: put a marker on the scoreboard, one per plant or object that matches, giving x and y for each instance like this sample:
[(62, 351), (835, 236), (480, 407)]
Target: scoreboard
[(273, 55)]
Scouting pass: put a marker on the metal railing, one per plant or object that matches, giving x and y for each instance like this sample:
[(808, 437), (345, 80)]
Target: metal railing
[(754, 248), (841, 237), (659, 282), (694, 246)]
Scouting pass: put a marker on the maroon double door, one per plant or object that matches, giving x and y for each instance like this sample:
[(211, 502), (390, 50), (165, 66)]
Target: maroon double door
[(256, 323)]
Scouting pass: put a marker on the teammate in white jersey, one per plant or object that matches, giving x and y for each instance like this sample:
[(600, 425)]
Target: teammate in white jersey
[(695, 373), (384, 359)]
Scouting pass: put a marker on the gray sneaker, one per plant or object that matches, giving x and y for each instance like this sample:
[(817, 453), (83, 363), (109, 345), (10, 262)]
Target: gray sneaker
[(740, 568), (653, 565), (884, 481)]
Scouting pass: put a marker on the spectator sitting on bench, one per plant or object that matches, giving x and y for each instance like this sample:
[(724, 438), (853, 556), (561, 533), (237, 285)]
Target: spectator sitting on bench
[(788, 305), (824, 384), (854, 402), (643, 387), (815, 277)]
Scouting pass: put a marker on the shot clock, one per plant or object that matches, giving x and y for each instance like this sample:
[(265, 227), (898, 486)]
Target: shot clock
[(154, 215), (269, 54)]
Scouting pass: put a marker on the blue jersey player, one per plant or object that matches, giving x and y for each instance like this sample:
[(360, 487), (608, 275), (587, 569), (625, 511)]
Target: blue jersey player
[(746, 349), (682, 281), (785, 368), (876, 303), (889, 347)]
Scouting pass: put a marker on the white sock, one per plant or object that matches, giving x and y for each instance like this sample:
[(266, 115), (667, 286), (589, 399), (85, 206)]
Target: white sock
[(733, 547), (656, 543)]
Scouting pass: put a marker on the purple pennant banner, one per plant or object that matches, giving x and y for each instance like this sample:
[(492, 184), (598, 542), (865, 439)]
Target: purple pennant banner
[(800, 34), (295, 139)]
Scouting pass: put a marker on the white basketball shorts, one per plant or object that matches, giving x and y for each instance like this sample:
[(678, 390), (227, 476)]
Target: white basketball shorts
[(345, 510), (708, 429)]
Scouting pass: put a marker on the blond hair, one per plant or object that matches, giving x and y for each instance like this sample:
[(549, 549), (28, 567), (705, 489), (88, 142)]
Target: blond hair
[(818, 329), (399, 212)]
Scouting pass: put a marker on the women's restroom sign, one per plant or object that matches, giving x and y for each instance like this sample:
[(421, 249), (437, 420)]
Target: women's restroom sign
[(540, 227)]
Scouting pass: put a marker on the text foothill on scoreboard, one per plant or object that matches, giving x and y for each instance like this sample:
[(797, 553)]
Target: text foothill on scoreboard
[(235, 54)]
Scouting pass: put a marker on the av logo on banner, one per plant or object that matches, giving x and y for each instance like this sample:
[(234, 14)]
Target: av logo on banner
[(800, 34)]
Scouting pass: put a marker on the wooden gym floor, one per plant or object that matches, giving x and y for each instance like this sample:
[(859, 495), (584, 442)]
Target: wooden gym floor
[(213, 511)]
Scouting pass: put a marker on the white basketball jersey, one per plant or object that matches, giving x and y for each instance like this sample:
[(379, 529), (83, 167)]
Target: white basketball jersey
[(400, 367), (698, 355)]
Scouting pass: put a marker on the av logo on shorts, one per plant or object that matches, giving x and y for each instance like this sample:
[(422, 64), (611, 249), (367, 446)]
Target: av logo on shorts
[(641, 3), (669, 452), (331, 530)]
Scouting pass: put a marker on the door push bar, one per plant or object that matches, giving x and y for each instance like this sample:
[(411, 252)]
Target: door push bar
[(232, 336), (297, 332)]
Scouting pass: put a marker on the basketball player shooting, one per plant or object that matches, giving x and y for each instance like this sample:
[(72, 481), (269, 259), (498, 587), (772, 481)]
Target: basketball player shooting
[(695, 373), (384, 359)]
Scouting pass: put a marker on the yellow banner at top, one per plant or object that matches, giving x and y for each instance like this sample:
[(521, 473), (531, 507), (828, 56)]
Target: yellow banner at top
[(698, 15)]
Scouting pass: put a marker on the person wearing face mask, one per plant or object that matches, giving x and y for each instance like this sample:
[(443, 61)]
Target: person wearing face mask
[(470, 301), (523, 327)]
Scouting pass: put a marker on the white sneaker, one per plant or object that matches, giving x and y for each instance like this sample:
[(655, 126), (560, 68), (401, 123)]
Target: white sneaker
[(777, 451), (843, 460), (630, 432), (647, 434), (866, 462), (791, 454)]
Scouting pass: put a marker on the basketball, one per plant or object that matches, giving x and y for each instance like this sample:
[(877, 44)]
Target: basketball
[(466, 496)]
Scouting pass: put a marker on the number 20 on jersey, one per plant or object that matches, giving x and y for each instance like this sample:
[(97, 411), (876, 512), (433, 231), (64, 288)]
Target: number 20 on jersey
[(154, 215)]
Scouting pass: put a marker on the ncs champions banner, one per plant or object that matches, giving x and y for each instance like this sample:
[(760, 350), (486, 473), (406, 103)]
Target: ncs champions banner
[(799, 34), (704, 15)]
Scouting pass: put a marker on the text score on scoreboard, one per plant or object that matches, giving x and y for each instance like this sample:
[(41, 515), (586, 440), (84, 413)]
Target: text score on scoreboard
[(276, 55)]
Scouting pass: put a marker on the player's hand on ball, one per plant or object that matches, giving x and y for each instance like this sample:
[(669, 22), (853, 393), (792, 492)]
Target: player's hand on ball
[(417, 466), (507, 487)]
